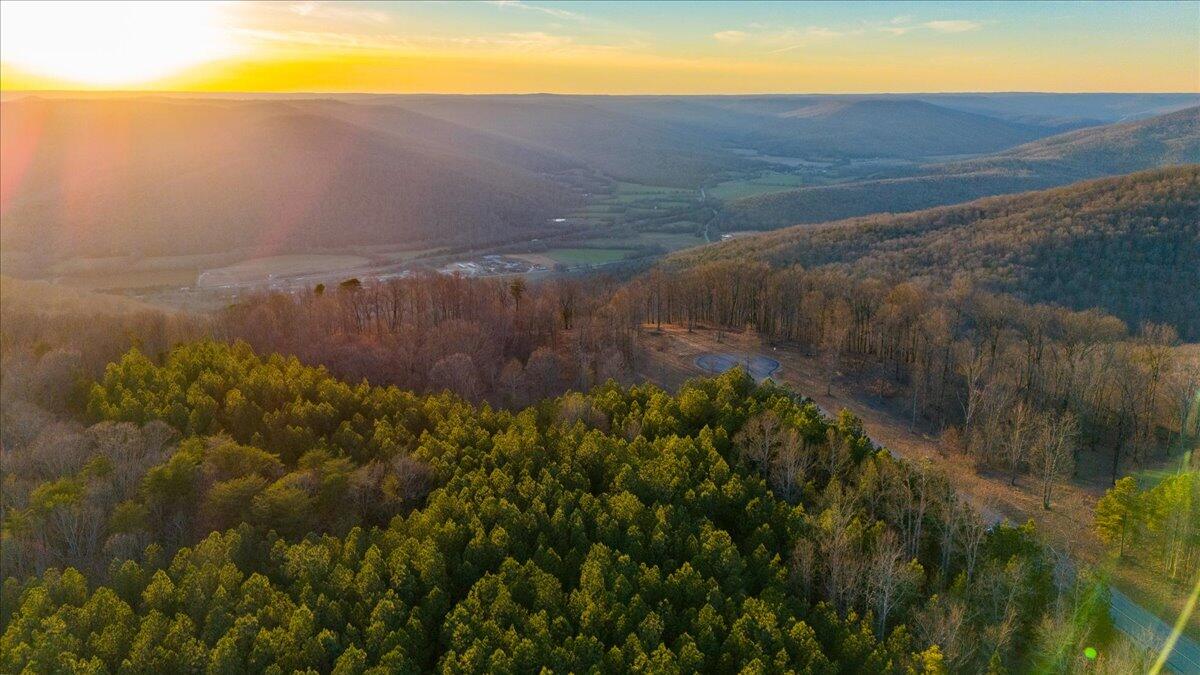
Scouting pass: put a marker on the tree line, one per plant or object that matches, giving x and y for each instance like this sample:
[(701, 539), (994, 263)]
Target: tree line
[(499, 339), (1024, 388), (1158, 525), (1127, 245)]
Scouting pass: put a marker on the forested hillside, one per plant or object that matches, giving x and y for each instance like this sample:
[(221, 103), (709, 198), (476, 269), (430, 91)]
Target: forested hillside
[(1166, 140), (1127, 245), (1172, 138), (93, 177), (496, 340), (233, 513), (891, 128), (172, 177)]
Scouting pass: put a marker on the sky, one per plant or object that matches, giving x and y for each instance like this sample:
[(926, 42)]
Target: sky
[(522, 46)]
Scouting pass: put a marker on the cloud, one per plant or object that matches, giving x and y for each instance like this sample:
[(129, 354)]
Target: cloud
[(550, 11), (731, 36), (802, 37), (532, 40), (330, 11), (823, 32), (898, 25), (332, 39), (953, 26)]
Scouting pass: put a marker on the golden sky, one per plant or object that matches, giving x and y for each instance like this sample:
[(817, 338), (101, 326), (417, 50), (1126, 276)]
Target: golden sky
[(618, 48)]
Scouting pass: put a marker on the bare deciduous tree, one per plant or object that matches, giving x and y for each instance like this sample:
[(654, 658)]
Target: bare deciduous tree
[(890, 578), (1053, 452), (760, 438), (791, 466)]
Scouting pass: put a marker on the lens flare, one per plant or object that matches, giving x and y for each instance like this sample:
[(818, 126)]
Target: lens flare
[(117, 43)]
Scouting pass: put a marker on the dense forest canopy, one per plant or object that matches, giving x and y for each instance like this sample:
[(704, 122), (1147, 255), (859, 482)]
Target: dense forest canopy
[(1126, 245), (298, 522)]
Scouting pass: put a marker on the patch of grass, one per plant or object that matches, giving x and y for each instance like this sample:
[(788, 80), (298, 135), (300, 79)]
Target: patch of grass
[(587, 256), (671, 241), (292, 264), (773, 181), (628, 193), (1159, 597)]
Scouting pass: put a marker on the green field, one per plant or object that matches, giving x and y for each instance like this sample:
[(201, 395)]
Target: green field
[(671, 241), (587, 256), (637, 189), (773, 181), (618, 221)]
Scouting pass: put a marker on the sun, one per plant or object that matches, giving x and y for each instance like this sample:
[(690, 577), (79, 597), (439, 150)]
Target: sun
[(111, 43)]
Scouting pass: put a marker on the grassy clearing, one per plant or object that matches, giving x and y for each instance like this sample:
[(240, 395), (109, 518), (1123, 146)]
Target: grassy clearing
[(671, 241), (1147, 588), (293, 264), (259, 269), (587, 256), (773, 181), (129, 280), (652, 190)]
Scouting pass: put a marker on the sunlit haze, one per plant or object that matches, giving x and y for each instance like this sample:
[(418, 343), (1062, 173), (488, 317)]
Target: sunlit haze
[(120, 43), (517, 46)]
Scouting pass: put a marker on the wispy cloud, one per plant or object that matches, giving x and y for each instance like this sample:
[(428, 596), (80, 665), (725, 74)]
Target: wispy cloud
[(732, 37), (549, 11), (528, 41), (823, 32), (800, 38), (953, 26), (333, 11), (899, 25), (780, 40), (327, 39)]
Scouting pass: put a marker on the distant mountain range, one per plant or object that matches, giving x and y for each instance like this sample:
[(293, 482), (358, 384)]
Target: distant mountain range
[(1165, 140), (93, 176), (170, 177), (1129, 245)]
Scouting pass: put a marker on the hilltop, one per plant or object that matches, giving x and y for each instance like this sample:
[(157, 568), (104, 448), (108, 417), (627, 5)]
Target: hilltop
[(1128, 245), (1164, 140)]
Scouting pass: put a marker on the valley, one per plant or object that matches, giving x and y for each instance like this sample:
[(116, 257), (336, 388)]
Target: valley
[(366, 383)]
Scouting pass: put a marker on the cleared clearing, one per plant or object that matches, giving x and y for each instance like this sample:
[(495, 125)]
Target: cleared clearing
[(281, 265), (587, 256), (748, 187)]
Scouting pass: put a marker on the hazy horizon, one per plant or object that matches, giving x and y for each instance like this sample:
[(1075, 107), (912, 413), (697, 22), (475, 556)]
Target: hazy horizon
[(601, 48)]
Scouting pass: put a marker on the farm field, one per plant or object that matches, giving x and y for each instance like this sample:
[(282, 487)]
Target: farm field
[(671, 241), (773, 181), (129, 279), (586, 256), (257, 269), (633, 201), (632, 192)]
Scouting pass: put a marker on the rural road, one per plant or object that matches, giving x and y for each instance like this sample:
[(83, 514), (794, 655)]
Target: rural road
[(1140, 625), (1151, 632)]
